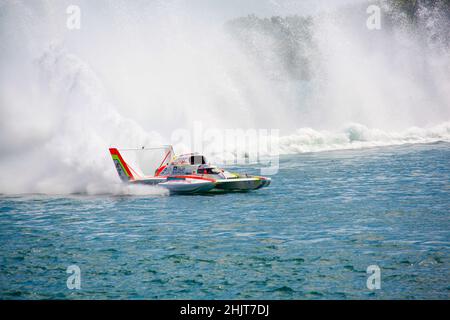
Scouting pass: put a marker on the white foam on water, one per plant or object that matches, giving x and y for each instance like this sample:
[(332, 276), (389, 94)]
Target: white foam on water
[(357, 136)]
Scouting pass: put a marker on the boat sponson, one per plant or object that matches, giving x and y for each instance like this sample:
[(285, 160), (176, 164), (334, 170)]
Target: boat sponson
[(240, 184)]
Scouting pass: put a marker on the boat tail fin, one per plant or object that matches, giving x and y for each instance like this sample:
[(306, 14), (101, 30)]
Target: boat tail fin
[(121, 166)]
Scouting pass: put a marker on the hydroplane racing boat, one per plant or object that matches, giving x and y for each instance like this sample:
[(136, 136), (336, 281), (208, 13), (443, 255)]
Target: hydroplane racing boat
[(187, 173)]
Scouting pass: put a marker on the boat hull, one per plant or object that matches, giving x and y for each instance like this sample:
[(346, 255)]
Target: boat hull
[(194, 184), (242, 184), (187, 186)]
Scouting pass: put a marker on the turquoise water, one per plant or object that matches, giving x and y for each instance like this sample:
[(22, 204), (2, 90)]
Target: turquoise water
[(310, 235)]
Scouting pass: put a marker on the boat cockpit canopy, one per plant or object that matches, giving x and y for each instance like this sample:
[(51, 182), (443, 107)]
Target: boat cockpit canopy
[(197, 160)]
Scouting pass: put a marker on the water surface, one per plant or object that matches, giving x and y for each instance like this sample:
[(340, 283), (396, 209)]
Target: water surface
[(311, 235)]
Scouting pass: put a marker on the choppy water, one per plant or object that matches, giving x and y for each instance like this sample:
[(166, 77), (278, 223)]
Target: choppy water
[(310, 235)]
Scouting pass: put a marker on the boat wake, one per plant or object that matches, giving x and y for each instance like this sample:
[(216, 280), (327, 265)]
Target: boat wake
[(357, 136)]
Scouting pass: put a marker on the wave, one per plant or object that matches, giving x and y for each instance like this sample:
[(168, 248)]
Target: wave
[(357, 136)]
